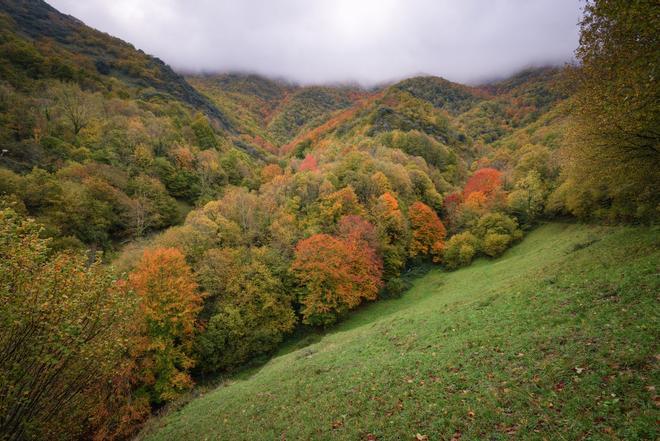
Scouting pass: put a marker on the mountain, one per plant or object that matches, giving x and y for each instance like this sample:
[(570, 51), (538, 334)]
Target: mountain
[(83, 52), (162, 230), (89, 122), (275, 110)]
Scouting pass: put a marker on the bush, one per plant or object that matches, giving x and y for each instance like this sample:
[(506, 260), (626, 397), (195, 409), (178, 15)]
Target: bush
[(496, 232), (495, 244), (460, 250)]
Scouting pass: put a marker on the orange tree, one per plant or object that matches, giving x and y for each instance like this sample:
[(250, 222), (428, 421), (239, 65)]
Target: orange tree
[(428, 232), (335, 275), (169, 302)]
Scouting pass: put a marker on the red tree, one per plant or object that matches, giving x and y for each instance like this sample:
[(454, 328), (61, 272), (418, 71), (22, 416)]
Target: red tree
[(336, 276), (355, 228), (308, 164), (486, 180)]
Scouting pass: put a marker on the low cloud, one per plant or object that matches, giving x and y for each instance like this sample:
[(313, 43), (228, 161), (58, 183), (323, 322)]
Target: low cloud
[(368, 41)]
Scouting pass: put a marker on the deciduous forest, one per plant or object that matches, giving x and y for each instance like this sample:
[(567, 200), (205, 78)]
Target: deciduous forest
[(161, 233)]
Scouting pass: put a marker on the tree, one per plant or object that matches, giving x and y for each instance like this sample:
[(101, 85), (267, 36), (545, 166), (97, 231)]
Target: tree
[(64, 331), (393, 237), (335, 276), (340, 203), (169, 303), (76, 106), (251, 309), (528, 199), (496, 232), (614, 147), (308, 164), (485, 180), (270, 172), (428, 232), (452, 208), (353, 228)]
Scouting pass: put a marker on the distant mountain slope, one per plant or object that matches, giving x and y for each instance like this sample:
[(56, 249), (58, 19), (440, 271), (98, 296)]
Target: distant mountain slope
[(458, 116), (275, 110), (101, 142), (443, 94), (104, 55)]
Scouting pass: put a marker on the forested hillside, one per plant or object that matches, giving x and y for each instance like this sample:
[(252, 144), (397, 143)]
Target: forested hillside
[(160, 231), (101, 142)]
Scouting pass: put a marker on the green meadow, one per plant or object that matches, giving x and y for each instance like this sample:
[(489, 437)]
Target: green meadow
[(555, 340)]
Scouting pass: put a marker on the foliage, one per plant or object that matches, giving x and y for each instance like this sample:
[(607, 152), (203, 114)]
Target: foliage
[(251, 308), (65, 327), (496, 232), (487, 181), (544, 333), (613, 155), (335, 275), (460, 250), (428, 233), (169, 303)]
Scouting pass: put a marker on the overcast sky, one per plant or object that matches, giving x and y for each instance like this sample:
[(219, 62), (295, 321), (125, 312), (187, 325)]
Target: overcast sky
[(320, 41)]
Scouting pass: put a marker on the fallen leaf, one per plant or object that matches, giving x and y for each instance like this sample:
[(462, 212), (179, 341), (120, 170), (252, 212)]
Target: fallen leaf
[(337, 424), (471, 414), (420, 437)]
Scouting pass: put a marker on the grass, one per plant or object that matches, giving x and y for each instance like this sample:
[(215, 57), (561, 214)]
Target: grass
[(555, 340)]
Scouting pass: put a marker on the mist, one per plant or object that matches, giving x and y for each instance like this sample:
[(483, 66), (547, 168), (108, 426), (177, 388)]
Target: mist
[(330, 41)]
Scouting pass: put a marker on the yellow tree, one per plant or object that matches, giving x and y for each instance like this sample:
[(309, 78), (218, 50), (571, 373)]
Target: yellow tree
[(613, 159)]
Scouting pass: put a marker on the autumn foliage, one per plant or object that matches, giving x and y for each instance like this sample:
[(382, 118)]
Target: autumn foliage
[(336, 275), (308, 164), (486, 180), (428, 232), (169, 302), (64, 331)]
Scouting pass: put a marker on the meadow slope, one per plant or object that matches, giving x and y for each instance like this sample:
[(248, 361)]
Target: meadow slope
[(554, 340)]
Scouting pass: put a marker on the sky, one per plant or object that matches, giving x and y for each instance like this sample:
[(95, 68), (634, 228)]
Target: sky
[(331, 41)]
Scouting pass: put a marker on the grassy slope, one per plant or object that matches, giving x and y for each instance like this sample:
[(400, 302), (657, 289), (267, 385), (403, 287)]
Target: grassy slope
[(551, 341)]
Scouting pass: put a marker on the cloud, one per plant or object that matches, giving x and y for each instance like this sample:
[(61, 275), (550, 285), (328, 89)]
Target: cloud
[(320, 41)]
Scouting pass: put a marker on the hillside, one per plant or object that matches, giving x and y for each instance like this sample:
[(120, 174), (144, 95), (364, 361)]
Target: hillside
[(400, 262), (102, 55), (274, 110), (557, 338), (89, 122)]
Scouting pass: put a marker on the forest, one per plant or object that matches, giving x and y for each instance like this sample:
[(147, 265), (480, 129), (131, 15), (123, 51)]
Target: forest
[(160, 231)]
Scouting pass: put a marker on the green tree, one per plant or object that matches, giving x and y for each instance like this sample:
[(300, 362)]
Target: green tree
[(496, 232), (460, 250), (251, 309)]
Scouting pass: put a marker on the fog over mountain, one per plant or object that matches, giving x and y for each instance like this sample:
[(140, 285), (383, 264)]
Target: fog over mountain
[(368, 41), (341, 40)]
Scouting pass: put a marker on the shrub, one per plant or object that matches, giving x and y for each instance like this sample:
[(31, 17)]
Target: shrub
[(460, 250), (496, 232)]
